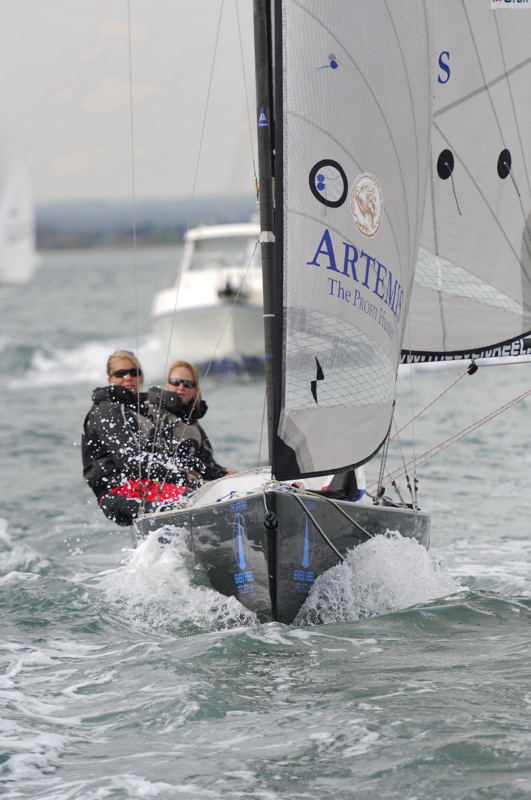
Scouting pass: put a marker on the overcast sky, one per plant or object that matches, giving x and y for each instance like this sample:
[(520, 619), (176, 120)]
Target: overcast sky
[(64, 73)]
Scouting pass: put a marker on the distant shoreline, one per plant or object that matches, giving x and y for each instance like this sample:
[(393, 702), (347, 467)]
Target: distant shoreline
[(91, 224)]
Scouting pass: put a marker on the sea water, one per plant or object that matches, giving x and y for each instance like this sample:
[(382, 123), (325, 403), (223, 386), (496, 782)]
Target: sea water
[(124, 675)]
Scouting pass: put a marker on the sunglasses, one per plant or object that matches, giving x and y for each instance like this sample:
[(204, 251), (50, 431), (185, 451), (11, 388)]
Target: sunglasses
[(186, 384), (121, 373)]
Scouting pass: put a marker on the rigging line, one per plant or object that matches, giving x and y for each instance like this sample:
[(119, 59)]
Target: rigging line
[(196, 174), (414, 491), (262, 426), (247, 104), (403, 459), (189, 217), (318, 527), (383, 460), (134, 209), (343, 512), (428, 405), (231, 309), (397, 473)]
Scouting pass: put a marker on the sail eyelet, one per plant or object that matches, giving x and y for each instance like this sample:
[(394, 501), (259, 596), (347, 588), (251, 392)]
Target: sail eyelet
[(445, 164), (504, 164)]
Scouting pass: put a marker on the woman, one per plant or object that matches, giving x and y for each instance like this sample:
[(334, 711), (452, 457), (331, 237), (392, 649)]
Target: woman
[(176, 410), (120, 463)]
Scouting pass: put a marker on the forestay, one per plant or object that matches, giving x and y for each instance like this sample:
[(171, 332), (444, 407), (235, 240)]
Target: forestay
[(352, 142), (473, 283)]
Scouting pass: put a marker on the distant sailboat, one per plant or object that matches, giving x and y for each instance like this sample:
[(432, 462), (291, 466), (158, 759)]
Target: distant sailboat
[(18, 256)]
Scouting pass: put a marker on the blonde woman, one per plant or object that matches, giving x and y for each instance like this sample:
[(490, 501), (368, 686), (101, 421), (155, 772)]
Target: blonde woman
[(176, 410), (120, 463)]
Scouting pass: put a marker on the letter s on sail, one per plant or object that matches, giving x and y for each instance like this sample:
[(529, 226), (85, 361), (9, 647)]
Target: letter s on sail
[(444, 65)]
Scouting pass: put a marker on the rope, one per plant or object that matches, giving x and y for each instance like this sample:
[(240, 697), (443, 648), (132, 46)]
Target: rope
[(318, 528), (399, 472), (412, 487), (231, 309), (261, 439), (428, 405), (134, 211), (344, 513), (247, 104), (196, 174), (188, 223), (402, 457), (383, 459)]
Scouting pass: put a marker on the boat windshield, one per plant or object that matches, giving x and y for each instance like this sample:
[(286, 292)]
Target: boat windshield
[(234, 251)]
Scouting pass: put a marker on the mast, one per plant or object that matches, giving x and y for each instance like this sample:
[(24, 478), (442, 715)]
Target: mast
[(270, 223)]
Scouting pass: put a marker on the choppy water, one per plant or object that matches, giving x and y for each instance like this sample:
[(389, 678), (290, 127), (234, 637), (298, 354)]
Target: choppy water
[(122, 675)]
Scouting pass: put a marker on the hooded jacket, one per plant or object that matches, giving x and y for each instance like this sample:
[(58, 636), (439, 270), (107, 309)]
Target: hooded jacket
[(117, 442), (177, 426)]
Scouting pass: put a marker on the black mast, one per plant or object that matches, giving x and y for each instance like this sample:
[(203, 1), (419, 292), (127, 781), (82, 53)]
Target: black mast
[(269, 162)]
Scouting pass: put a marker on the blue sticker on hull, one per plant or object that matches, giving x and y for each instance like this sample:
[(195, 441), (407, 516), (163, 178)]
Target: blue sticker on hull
[(244, 578), (303, 576)]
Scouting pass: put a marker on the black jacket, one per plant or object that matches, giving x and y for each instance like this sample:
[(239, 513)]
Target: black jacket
[(117, 442), (179, 434)]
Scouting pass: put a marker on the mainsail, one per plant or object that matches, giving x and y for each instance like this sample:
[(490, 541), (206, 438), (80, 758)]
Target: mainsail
[(472, 291), (352, 113)]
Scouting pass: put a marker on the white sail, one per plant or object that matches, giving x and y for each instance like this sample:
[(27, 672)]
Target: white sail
[(473, 281), (353, 131), (18, 257)]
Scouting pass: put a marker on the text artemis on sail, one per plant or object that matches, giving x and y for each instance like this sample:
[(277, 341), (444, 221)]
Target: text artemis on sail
[(365, 270)]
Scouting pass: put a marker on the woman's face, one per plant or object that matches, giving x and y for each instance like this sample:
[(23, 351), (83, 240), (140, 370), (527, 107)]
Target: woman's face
[(128, 381), (186, 394)]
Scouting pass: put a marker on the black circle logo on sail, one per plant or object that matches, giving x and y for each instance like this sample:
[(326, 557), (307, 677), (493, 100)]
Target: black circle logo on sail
[(504, 164), (445, 164), (328, 183)]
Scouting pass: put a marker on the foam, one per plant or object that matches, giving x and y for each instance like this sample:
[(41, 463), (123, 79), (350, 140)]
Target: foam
[(84, 364), (386, 574), (159, 585)]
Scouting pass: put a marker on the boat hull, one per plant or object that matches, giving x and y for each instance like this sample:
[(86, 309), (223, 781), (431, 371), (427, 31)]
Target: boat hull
[(225, 333), (267, 551)]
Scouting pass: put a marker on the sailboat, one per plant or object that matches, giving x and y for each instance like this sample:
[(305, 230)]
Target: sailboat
[(18, 256), (394, 150)]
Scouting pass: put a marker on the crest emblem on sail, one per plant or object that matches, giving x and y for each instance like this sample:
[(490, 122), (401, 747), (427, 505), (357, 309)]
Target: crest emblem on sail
[(366, 203)]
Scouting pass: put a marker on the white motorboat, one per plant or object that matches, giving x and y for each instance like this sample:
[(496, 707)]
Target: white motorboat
[(213, 314)]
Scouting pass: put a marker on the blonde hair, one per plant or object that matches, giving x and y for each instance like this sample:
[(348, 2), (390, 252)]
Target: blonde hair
[(195, 373), (117, 355)]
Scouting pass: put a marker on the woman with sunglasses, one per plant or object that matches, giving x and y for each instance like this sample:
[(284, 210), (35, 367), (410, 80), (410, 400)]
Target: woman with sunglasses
[(120, 462), (175, 411)]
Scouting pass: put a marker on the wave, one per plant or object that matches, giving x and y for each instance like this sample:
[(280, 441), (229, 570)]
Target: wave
[(158, 586), (84, 364), (386, 574)]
